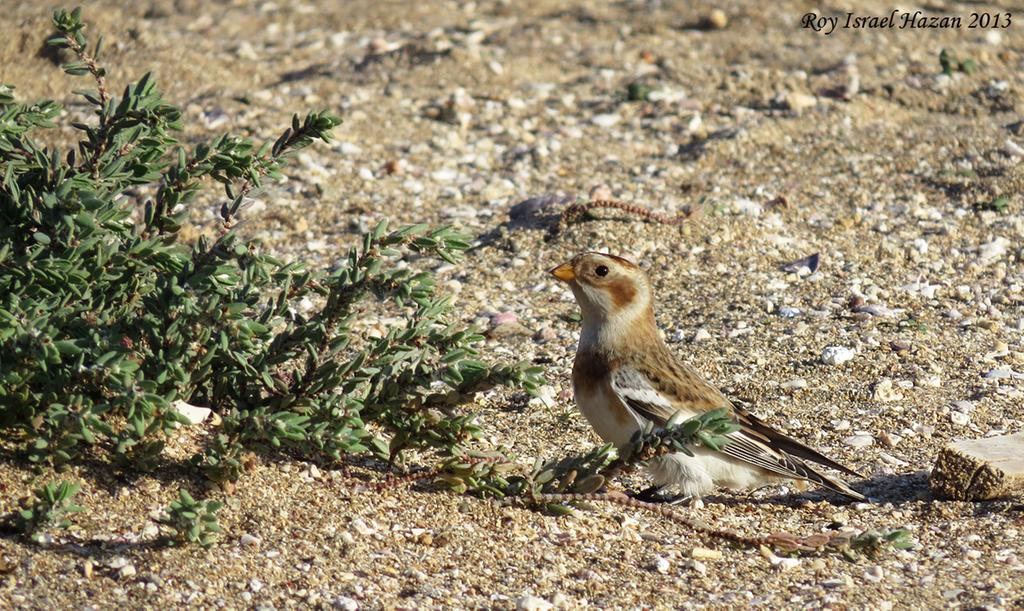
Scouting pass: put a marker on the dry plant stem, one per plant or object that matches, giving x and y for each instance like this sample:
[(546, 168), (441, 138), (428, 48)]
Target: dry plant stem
[(577, 210), (94, 70), (394, 481), (101, 87)]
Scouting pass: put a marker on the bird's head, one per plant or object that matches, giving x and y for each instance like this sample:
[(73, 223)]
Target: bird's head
[(610, 290)]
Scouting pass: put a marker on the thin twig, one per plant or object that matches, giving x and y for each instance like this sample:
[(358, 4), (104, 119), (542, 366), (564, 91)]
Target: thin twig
[(94, 70), (101, 86)]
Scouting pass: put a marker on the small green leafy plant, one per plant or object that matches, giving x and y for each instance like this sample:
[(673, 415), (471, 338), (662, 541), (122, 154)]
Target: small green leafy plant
[(110, 318), (49, 506), (950, 64), (193, 521), (999, 204)]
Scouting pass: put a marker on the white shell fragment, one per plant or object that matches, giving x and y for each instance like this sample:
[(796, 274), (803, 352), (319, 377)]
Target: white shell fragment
[(192, 413)]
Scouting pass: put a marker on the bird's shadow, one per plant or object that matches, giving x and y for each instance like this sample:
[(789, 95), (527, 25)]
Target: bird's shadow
[(895, 489), (879, 490)]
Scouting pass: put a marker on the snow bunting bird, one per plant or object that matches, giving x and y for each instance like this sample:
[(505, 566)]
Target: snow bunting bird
[(624, 376)]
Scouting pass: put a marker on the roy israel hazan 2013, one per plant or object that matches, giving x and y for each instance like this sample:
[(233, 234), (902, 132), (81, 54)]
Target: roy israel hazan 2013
[(896, 19)]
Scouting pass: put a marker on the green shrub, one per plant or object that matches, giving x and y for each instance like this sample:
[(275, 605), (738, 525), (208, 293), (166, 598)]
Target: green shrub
[(108, 318)]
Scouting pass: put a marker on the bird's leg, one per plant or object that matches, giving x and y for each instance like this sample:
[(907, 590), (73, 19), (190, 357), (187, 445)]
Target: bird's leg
[(649, 494), (656, 494)]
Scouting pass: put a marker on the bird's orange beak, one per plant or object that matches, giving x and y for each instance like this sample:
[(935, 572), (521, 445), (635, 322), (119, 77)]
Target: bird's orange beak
[(564, 273)]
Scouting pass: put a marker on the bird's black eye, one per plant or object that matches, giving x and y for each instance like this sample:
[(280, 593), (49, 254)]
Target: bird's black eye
[(601, 270)]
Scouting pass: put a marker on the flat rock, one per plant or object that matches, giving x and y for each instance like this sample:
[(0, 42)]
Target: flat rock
[(980, 469)]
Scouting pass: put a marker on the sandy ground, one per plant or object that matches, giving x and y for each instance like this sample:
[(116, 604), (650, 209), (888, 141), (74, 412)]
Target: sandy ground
[(454, 112)]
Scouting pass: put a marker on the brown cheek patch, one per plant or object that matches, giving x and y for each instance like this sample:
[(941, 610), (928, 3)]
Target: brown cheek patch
[(622, 292)]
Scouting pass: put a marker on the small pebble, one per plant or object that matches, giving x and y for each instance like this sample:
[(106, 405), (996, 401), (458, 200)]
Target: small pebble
[(504, 318), (837, 355), (794, 384), (703, 553), (860, 440), (717, 19), (606, 120), (701, 335), (798, 102), (885, 391), (532, 603), (874, 574), (126, 571), (345, 603)]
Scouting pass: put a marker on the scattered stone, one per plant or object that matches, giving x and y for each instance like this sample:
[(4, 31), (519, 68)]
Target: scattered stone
[(504, 318), (890, 440), (959, 418), (717, 19), (1013, 149), (980, 469), (248, 540), (810, 263), (532, 603), (794, 384), (874, 574), (952, 594), (126, 571), (702, 553), (878, 310), (702, 335), (606, 120), (859, 440), (837, 355), (784, 563), (662, 565), (798, 102), (1003, 374), (841, 425), (601, 192), (748, 207), (345, 603), (886, 392), (991, 251), (891, 460)]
